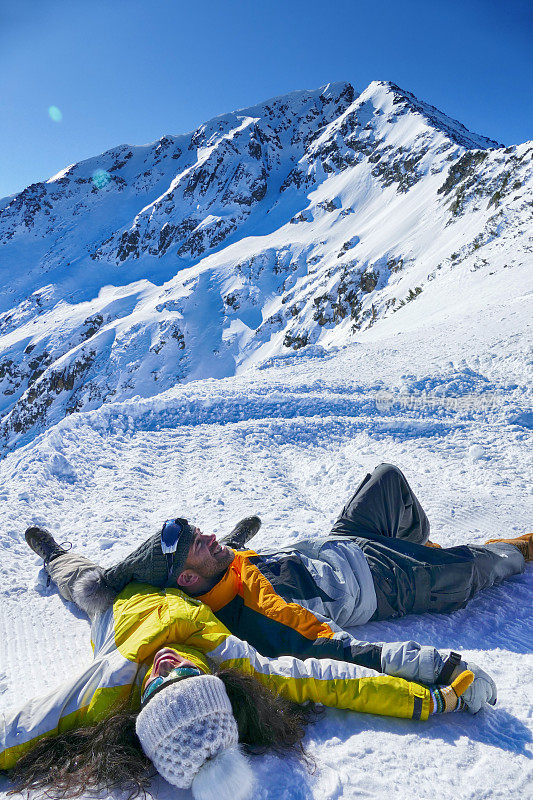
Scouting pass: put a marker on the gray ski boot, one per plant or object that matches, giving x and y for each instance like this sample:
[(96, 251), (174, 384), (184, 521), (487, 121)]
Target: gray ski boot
[(43, 543), (242, 533)]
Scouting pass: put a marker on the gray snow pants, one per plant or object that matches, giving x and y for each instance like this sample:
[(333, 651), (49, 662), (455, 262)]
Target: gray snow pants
[(386, 520), (79, 581)]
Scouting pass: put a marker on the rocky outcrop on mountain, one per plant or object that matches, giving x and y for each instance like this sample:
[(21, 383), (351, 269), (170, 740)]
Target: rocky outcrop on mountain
[(303, 220)]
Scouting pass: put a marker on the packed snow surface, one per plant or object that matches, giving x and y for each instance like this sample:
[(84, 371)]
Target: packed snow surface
[(430, 370)]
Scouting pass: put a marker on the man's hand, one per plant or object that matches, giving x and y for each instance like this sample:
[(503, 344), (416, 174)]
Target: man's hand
[(481, 691)]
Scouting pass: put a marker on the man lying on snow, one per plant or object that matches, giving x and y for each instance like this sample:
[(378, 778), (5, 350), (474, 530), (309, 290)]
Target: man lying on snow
[(375, 564)]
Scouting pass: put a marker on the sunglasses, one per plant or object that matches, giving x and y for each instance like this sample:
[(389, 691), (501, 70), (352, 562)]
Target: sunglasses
[(177, 674)]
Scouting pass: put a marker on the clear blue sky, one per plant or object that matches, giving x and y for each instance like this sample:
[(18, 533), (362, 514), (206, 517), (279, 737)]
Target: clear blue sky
[(132, 70)]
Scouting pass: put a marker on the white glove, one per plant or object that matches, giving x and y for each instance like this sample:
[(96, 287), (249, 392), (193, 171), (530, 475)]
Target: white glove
[(481, 691)]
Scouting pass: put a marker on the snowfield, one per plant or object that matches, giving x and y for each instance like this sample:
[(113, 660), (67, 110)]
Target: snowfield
[(443, 394)]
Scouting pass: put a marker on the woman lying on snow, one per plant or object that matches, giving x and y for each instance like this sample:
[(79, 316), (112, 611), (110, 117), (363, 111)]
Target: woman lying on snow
[(150, 700)]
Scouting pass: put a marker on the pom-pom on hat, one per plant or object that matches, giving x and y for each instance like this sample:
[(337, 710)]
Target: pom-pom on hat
[(227, 776), (190, 734)]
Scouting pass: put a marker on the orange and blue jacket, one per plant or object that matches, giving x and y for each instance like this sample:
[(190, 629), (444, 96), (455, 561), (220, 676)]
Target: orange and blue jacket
[(272, 601)]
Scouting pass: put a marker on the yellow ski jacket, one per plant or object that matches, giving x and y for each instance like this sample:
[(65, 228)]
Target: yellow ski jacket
[(144, 619)]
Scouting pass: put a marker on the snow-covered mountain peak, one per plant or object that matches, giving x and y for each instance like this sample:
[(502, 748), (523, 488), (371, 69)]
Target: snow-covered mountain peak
[(303, 220), (389, 98)]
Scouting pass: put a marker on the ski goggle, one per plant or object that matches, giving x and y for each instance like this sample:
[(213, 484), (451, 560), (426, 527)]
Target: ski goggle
[(177, 674), (176, 534), (171, 533)]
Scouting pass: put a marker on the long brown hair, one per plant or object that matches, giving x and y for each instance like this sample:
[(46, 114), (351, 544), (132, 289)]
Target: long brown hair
[(265, 720), (109, 755)]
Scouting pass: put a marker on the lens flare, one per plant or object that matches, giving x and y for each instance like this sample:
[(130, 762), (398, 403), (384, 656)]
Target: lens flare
[(101, 178), (55, 114)]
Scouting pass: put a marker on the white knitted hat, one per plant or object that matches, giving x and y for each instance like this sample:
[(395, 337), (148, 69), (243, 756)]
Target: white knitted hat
[(189, 733)]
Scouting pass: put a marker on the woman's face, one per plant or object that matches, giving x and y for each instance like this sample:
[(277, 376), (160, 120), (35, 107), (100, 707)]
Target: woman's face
[(168, 664), (165, 660)]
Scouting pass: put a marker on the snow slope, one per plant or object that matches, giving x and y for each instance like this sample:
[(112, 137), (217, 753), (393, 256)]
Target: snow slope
[(441, 386)]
